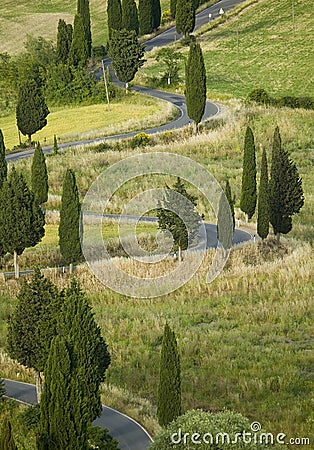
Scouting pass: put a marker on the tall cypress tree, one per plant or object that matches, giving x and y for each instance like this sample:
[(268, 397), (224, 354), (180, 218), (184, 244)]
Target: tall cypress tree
[(39, 176), (169, 388), (231, 201), (225, 224), (285, 189), (2, 388), (64, 40), (156, 14), (78, 54), (21, 220), (145, 16), (248, 191), (114, 12), (195, 84), (31, 109), (130, 16), (32, 325), (70, 220), (263, 200), (83, 11), (185, 17), (173, 5), (3, 162), (6, 439)]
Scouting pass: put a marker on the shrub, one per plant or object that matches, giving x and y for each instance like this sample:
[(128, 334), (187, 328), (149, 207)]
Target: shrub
[(30, 417), (259, 96), (305, 103), (140, 140), (288, 101), (166, 17)]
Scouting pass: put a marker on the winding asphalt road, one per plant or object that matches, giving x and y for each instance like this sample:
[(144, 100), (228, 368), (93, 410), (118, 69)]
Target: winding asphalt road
[(130, 434)]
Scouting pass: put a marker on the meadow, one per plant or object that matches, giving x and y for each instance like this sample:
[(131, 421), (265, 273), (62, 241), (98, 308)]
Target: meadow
[(263, 45)]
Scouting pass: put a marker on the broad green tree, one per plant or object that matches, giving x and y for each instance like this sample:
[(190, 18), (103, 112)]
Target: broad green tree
[(195, 84), (263, 200), (127, 55), (114, 12), (78, 54), (248, 190), (6, 438), (84, 12), (21, 220), (39, 176), (64, 40), (145, 16), (31, 109), (3, 162), (169, 388), (156, 14), (70, 220), (130, 16), (184, 230), (32, 325), (185, 17), (171, 59), (285, 189)]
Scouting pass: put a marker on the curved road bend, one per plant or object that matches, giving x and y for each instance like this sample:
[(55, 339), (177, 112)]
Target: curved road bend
[(130, 434)]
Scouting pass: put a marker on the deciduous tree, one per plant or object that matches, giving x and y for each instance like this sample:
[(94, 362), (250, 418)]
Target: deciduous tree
[(248, 191), (285, 189), (31, 109), (263, 200), (195, 84), (39, 176), (169, 388)]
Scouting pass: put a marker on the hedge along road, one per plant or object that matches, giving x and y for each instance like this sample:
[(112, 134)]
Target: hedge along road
[(163, 39), (130, 434)]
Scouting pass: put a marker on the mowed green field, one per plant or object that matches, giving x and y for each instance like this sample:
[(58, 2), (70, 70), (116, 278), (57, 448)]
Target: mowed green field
[(260, 47), (40, 18)]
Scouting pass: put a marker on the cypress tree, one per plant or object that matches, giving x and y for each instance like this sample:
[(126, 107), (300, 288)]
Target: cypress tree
[(7, 440), (39, 176), (64, 40), (70, 220), (145, 16), (169, 388), (83, 11), (195, 84), (231, 201), (130, 16), (285, 189), (263, 201), (114, 12), (3, 162), (225, 224), (21, 220), (185, 17), (78, 54), (31, 109), (156, 14), (248, 191), (2, 388), (55, 145), (173, 5), (32, 325), (127, 54)]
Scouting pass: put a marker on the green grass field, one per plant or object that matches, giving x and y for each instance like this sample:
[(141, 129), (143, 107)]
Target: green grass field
[(257, 48), (136, 112)]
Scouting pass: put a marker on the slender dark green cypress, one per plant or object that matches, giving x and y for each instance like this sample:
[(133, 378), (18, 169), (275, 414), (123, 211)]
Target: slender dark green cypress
[(248, 191), (6, 439), (64, 40), (145, 16), (78, 54), (285, 189), (169, 388), (225, 224), (263, 200), (156, 14), (2, 388), (3, 162), (39, 176), (195, 83), (185, 17), (55, 145), (130, 16), (70, 220), (114, 12), (231, 201), (84, 12), (173, 5), (31, 109)]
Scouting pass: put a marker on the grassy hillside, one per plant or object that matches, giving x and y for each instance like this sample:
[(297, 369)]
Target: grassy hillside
[(260, 47)]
